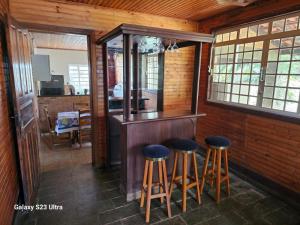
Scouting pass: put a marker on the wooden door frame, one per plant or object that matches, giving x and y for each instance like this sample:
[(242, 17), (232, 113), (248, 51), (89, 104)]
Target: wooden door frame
[(91, 48)]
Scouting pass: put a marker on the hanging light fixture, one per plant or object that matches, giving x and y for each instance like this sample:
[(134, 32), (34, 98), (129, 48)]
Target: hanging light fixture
[(175, 47), (169, 48)]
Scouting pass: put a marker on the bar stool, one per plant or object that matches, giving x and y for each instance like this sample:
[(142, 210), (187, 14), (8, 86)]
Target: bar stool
[(185, 147), (152, 154), (216, 146)]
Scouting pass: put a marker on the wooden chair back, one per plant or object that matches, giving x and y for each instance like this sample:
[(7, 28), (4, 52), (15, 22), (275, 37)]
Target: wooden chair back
[(85, 118), (48, 120), (85, 122), (81, 106)]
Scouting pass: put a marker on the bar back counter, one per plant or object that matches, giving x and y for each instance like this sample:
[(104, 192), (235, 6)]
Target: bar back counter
[(134, 71)]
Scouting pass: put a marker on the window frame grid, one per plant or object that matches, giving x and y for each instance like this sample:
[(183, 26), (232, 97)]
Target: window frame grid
[(266, 38), (152, 75), (78, 81)]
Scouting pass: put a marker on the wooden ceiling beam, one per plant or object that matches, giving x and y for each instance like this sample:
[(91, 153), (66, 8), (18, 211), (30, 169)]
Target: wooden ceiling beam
[(256, 11)]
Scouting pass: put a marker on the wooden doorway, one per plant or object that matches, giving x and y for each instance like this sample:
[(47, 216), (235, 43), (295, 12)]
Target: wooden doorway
[(61, 74)]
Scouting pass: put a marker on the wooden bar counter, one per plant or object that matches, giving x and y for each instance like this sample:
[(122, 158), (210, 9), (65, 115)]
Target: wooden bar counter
[(144, 129)]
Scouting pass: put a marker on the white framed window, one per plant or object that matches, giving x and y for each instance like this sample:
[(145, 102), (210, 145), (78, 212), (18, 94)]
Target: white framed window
[(257, 65), (152, 72), (79, 77)]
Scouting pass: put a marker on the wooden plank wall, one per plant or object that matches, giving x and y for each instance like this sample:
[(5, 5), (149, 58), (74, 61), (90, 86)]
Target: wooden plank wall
[(102, 20), (179, 72), (8, 172), (266, 146)]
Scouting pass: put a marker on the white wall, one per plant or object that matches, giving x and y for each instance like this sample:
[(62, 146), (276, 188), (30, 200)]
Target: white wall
[(60, 60)]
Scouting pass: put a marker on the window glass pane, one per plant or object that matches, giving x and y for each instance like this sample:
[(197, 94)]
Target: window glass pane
[(291, 23), (281, 80), (280, 93), (277, 104), (255, 79), (275, 43), (226, 37), (285, 54), (257, 56), (243, 32), (258, 45), (249, 46), (263, 29), (271, 68), (268, 92), (236, 79), (277, 26), (295, 67), (296, 54), (294, 81), (243, 99), (267, 103), (253, 90), (292, 94), (270, 80), (219, 38), (273, 55), (291, 106), (286, 42), (297, 41), (240, 48), (283, 67), (252, 101), (252, 32), (233, 35)]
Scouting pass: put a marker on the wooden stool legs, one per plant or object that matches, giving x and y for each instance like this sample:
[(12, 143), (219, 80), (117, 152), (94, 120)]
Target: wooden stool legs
[(194, 180), (216, 168), (148, 184)]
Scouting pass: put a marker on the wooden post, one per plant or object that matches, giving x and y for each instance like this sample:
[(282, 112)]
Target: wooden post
[(160, 91), (126, 76), (135, 81), (196, 79)]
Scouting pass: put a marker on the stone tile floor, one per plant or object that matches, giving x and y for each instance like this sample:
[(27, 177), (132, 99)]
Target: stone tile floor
[(91, 196)]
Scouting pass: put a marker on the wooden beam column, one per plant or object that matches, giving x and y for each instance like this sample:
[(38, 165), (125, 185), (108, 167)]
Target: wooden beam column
[(127, 40), (135, 84), (196, 79)]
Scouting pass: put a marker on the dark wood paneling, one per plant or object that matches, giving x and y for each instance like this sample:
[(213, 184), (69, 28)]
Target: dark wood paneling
[(9, 185), (266, 146), (135, 136)]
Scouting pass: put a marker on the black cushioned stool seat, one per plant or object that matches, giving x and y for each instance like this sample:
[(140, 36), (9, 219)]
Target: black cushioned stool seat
[(156, 151), (217, 141), (184, 144)]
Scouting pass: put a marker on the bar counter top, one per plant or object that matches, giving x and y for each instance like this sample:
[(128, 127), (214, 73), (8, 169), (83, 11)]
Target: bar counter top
[(157, 116)]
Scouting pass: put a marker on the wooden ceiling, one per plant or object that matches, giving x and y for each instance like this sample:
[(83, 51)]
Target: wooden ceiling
[(183, 9), (59, 41)]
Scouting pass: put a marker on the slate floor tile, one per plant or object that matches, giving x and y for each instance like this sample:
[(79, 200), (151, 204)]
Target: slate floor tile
[(228, 218), (284, 216), (173, 221), (92, 197)]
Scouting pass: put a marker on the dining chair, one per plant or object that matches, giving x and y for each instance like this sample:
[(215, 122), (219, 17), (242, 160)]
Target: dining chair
[(85, 126), (80, 106), (65, 138)]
